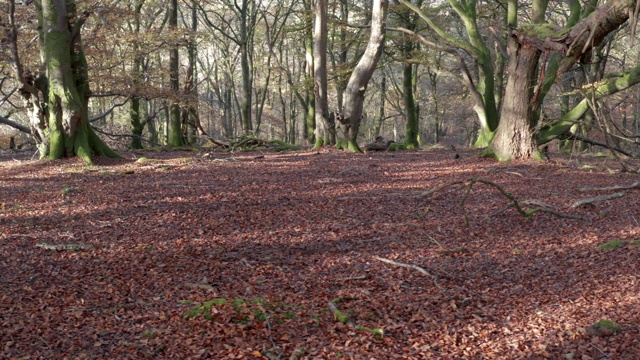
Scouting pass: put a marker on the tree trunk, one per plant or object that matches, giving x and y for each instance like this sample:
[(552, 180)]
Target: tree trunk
[(69, 131), (514, 138), (134, 109), (310, 99), (412, 131), (247, 80), (325, 126), (175, 137), (354, 94)]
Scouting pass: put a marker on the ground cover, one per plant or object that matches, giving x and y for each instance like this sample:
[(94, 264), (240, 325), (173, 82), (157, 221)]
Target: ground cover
[(318, 255)]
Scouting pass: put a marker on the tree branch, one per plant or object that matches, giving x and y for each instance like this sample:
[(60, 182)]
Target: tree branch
[(15, 125)]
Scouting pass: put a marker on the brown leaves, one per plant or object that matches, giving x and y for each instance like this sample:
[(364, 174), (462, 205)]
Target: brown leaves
[(279, 238)]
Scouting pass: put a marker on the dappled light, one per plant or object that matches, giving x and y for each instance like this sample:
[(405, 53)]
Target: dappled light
[(317, 254)]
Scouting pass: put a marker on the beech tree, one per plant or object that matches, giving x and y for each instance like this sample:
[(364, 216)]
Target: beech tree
[(349, 120), (68, 130), (515, 135), (482, 87)]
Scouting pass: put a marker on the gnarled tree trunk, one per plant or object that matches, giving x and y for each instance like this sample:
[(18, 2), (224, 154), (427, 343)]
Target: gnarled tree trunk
[(349, 122), (69, 131)]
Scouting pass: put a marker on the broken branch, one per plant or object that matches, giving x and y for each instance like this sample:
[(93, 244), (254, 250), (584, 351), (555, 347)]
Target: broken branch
[(597, 198)]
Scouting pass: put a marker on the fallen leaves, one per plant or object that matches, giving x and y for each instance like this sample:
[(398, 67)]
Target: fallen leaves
[(279, 238)]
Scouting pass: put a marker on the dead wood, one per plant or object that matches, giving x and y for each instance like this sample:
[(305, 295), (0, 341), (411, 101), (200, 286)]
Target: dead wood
[(417, 268), (635, 185), (438, 188), (597, 198), (379, 145)]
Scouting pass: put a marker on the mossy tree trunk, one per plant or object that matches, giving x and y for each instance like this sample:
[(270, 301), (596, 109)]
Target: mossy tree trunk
[(175, 137), (69, 131), (310, 99), (134, 106), (514, 138)]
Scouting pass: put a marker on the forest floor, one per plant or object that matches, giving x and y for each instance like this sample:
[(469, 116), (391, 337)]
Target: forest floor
[(259, 255)]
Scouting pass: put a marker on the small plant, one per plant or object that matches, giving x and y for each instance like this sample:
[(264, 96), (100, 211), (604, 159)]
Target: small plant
[(603, 327), (67, 190)]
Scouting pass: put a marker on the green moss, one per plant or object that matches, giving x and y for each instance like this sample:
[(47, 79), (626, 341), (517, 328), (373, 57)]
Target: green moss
[(542, 31), (611, 245), (608, 324), (396, 147)]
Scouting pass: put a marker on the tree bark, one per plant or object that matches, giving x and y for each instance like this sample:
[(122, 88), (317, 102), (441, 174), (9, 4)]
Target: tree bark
[(134, 107), (69, 132), (357, 86), (325, 126), (514, 137), (175, 123)]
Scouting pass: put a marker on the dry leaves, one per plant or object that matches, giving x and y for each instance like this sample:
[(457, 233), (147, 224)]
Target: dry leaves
[(209, 258)]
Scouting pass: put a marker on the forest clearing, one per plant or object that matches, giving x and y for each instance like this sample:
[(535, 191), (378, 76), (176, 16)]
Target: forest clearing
[(318, 254)]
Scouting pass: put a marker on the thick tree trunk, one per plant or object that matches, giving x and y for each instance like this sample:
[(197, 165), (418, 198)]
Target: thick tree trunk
[(514, 137), (69, 131), (354, 94)]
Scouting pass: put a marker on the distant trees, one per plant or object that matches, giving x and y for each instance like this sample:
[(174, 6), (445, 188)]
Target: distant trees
[(328, 72)]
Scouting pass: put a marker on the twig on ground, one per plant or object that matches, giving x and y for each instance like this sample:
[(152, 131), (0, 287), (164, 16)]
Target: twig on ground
[(438, 188), (612, 188), (596, 199), (340, 316), (417, 268), (273, 343), (601, 351)]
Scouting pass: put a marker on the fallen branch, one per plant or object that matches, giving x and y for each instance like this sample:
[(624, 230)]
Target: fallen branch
[(613, 188), (514, 202), (438, 188), (59, 247), (417, 268), (540, 206), (596, 199), (339, 315), (345, 319)]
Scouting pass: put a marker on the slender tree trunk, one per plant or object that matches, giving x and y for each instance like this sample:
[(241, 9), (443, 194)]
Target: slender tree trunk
[(325, 126), (175, 136), (134, 108), (381, 112), (191, 84), (411, 110), (354, 101), (309, 128), (247, 79)]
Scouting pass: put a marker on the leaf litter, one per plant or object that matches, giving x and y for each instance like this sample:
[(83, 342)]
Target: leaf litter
[(238, 255)]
